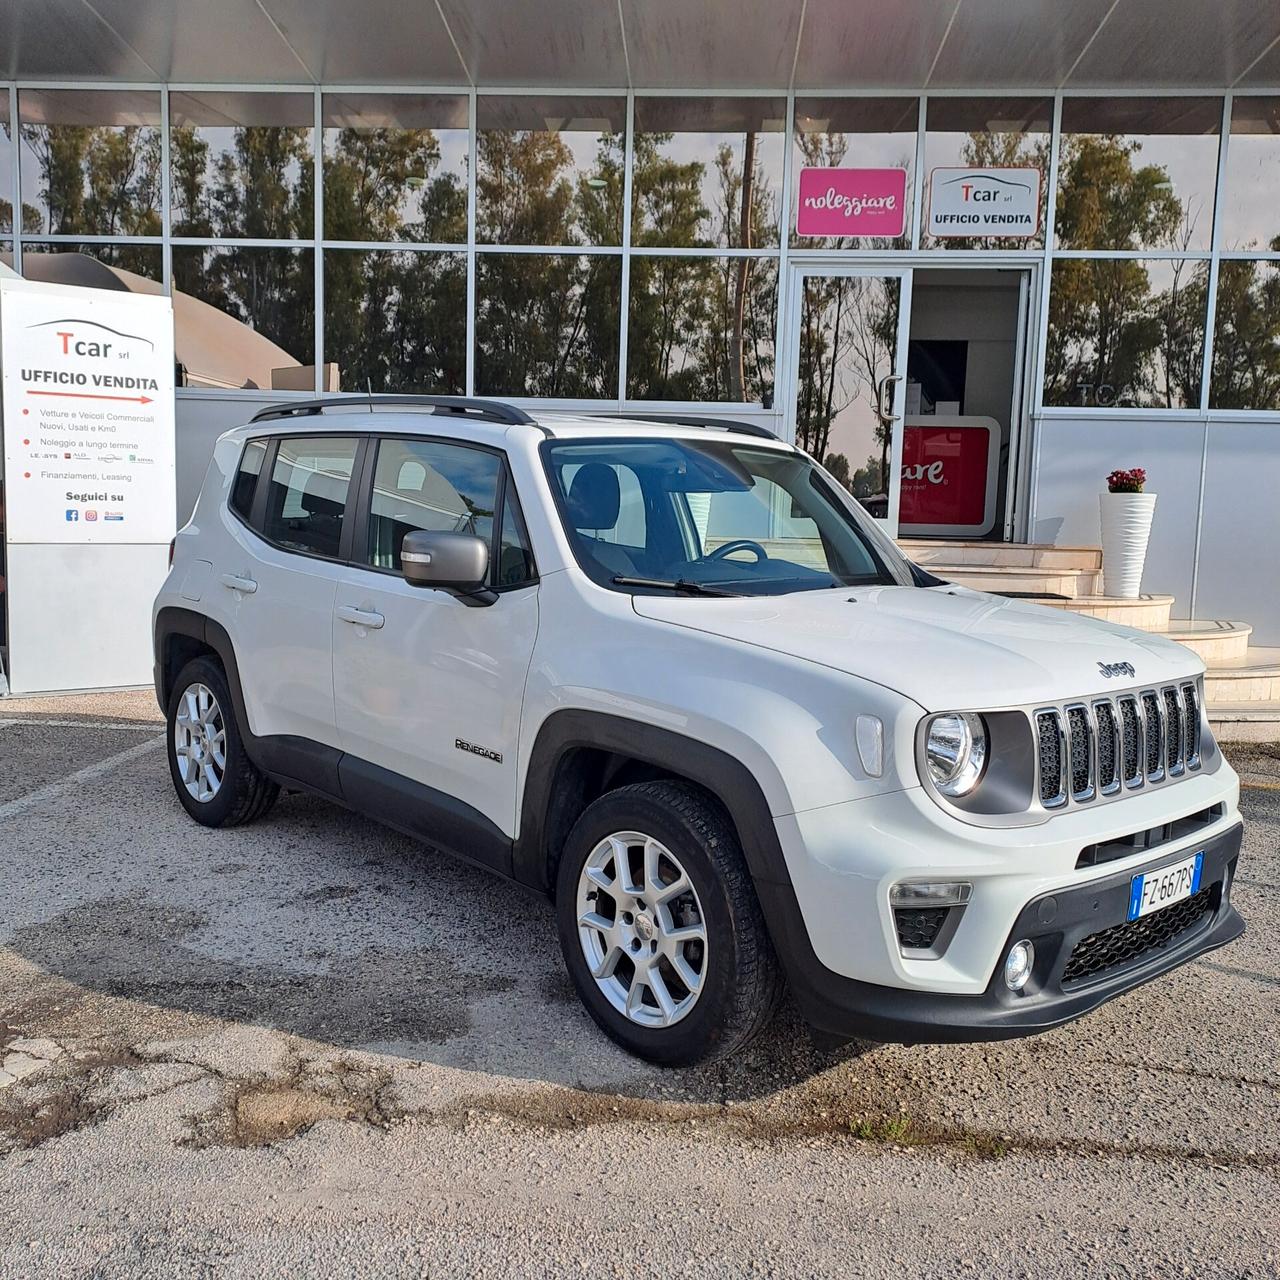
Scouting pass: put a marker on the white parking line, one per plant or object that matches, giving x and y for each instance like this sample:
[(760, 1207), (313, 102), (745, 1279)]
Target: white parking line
[(134, 726), (33, 799)]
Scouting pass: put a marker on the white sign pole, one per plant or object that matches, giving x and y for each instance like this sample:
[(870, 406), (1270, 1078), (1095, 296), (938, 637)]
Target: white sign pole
[(89, 470)]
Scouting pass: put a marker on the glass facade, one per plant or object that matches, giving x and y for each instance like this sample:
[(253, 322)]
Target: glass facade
[(642, 247)]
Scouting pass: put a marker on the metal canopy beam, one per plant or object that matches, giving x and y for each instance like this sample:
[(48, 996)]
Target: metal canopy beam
[(673, 45)]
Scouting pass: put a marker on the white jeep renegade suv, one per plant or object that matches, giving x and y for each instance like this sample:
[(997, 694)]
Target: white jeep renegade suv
[(672, 676)]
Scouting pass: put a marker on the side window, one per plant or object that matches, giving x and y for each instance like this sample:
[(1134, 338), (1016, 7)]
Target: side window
[(423, 484), (308, 493), (245, 484), (515, 555)]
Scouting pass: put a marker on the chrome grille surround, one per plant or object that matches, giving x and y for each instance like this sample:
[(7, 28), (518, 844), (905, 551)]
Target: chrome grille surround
[(1153, 731), (1133, 740), (1051, 772), (1083, 751), (1131, 726), (1109, 746), (1191, 704)]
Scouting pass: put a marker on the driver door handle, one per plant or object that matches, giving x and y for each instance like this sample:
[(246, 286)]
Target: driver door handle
[(235, 582), (360, 617)]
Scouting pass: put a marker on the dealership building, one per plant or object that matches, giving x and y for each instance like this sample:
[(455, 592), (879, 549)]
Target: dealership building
[(972, 255)]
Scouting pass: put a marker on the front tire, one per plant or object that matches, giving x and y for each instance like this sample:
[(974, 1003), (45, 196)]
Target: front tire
[(216, 782), (660, 927)]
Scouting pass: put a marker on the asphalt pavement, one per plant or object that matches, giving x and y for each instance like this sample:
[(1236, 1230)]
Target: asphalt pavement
[(306, 1047)]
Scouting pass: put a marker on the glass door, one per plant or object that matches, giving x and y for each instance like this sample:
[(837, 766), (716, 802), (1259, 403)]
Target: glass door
[(848, 361)]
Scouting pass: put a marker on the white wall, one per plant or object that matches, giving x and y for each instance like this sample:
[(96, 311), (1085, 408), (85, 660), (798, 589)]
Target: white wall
[(1236, 575), (202, 416)]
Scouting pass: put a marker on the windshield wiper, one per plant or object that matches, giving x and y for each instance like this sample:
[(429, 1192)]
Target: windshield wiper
[(685, 585)]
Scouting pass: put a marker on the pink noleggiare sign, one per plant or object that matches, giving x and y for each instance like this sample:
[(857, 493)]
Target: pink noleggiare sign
[(852, 202)]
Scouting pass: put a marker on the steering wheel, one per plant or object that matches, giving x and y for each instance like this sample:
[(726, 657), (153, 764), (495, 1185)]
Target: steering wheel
[(739, 544)]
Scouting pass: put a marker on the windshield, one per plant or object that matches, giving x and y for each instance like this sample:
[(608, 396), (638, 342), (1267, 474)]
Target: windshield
[(709, 518)]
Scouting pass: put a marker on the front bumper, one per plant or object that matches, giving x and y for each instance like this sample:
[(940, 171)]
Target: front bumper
[(1056, 923)]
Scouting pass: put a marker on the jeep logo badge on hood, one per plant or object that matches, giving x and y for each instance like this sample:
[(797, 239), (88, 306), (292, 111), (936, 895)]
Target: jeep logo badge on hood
[(1110, 669)]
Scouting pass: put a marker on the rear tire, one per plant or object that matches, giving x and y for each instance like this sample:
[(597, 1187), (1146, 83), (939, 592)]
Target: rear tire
[(216, 782), (660, 926)]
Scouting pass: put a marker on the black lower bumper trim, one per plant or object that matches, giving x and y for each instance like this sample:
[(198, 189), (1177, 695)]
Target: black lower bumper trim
[(1055, 923)]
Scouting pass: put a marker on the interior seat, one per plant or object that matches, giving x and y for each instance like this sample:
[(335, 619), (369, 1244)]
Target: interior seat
[(595, 500)]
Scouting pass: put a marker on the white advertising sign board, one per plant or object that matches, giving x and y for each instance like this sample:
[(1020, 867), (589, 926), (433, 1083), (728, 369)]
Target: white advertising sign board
[(88, 415), (984, 202)]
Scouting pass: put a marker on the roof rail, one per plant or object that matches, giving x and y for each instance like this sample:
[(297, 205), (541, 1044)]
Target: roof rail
[(696, 420), (464, 406)]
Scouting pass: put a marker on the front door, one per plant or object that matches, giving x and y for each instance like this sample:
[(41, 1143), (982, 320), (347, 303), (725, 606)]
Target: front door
[(427, 688), (849, 335)]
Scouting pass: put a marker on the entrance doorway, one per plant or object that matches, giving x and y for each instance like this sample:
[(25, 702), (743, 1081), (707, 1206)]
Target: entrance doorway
[(910, 388)]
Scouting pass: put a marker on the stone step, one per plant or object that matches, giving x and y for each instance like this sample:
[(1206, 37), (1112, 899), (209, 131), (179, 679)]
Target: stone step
[(1030, 580), (1022, 555), (1146, 613), (1253, 678), (1215, 642), (1245, 721)]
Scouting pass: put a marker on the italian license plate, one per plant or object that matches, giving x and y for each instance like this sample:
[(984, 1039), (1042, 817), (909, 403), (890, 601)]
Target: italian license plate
[(1155, 890)]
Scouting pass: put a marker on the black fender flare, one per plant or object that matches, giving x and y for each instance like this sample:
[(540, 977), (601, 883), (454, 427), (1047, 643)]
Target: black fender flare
[(725, 777), (721, 774)]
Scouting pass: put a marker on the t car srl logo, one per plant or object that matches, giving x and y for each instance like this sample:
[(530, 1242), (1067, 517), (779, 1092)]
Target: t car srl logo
[(75, 342)]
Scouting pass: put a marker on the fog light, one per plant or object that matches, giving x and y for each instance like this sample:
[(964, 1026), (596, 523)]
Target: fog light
[(1018, 965), (930, 893)]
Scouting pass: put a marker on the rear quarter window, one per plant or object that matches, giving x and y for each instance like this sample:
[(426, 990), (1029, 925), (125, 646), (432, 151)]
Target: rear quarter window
[(245, 484)]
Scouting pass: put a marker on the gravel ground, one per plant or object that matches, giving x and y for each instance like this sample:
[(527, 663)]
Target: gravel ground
[(307, 1048)]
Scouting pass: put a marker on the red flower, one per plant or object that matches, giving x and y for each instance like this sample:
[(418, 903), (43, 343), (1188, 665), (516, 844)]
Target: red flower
[(1127, 481)]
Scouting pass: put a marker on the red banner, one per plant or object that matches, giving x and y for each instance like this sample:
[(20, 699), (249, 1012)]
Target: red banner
[(944, 476)]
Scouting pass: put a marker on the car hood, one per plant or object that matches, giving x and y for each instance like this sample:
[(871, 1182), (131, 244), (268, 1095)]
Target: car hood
[(947, 648)]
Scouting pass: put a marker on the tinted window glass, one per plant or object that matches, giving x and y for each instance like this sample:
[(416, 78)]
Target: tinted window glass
[(246, 481), (735, 519), (240, 164), (90, 162), (707, 171), (1137, 173), (395, 167), (1126, 333), (308, 493), (1250, 219), (857, 133), (549, 170), (421, 484), (515, 556)]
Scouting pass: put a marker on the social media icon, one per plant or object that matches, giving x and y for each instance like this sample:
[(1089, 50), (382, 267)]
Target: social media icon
[(72, 516), (91, 515)]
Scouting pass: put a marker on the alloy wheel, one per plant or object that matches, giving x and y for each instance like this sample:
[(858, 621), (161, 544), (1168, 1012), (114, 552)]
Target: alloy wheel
[(200, 742), (642, 930)]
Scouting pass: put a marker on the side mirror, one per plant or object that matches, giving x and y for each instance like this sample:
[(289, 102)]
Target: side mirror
[(453, 562)]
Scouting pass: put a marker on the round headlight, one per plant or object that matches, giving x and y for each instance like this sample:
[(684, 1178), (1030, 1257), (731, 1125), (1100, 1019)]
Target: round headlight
[(956, 751)]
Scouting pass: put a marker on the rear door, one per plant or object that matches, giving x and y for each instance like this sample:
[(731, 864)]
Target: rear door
[(427, 688), (281, 578)]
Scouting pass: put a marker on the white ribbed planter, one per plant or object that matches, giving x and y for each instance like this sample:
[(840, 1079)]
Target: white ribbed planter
[(1126, 530)]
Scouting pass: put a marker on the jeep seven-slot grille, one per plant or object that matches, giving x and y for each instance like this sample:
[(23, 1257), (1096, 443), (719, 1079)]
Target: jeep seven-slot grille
[(1101, 747)]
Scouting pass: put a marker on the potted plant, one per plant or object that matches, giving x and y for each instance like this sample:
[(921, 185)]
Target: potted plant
[(1126, 528)]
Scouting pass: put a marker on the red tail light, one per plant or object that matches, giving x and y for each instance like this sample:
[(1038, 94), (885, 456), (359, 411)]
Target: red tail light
[(173, 542)]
